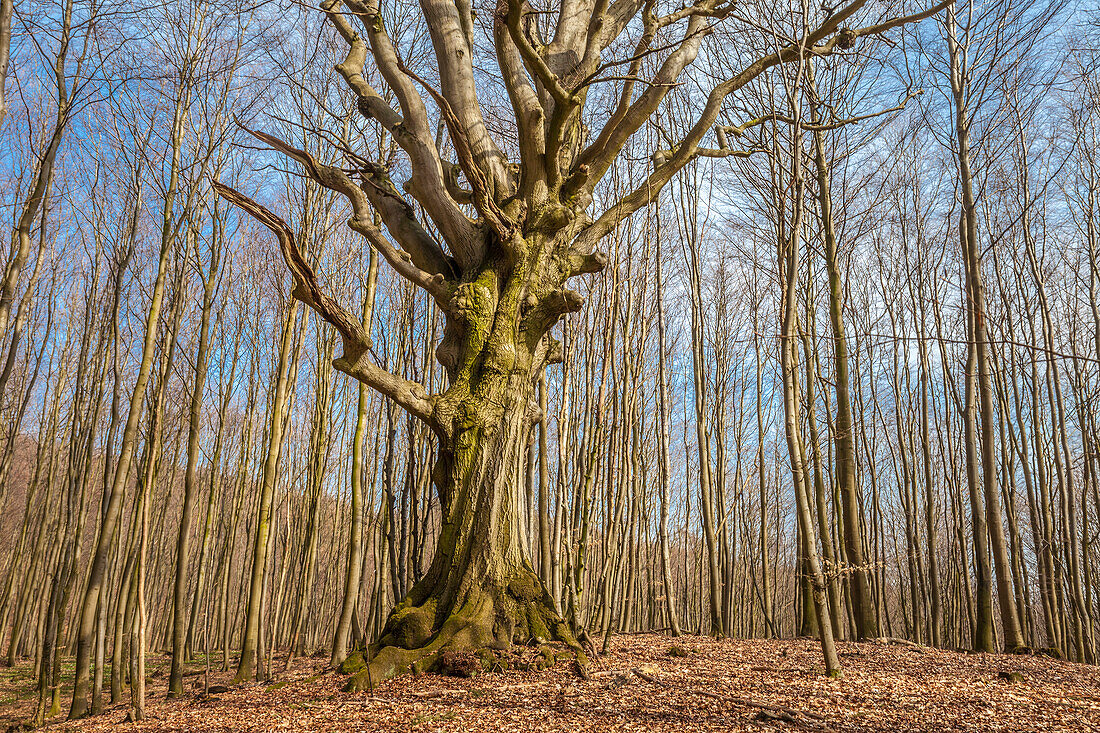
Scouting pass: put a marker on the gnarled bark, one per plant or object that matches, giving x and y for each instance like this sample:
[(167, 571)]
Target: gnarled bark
[(481, 593), (513, 240)]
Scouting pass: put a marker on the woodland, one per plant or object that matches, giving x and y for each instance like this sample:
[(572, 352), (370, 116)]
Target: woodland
[(550, 364)]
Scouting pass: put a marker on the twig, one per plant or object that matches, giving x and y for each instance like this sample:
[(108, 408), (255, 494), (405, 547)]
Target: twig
[(772, 712)]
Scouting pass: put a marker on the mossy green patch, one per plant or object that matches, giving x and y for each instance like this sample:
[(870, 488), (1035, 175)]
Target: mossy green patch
[(412, 626), (352, 664)]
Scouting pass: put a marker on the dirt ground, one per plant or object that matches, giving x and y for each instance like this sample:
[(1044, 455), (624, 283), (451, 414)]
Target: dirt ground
[(647, 683)]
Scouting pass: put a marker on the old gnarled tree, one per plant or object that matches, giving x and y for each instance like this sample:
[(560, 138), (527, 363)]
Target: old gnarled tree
[(508, 231)]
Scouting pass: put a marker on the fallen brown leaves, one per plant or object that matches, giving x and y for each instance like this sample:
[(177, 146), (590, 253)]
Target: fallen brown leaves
[(704, 685)]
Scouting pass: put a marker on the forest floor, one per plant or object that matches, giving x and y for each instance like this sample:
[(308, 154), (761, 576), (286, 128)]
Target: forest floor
[(644, 684)]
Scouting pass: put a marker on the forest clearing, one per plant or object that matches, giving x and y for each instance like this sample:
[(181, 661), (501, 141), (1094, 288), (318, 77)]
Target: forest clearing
[(687, 684), (550, 364)]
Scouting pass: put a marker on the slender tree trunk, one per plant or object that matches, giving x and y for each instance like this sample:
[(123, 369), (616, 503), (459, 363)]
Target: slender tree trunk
[(190, 481), (771, 630), (830, 567), (137, 689), (6, 7), (663, 458), (789, 266), (44, 170), (986, 520), (248, 664), (703, 438), (353, 576), (847, 475)]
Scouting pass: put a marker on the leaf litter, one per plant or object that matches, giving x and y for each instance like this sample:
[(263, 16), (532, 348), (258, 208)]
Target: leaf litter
[(651, 682)]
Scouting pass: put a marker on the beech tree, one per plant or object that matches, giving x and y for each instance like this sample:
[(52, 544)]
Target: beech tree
[(781, 362), (494, 238)]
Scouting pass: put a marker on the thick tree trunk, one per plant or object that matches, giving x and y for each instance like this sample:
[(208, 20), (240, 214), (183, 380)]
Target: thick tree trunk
[(481, 594), (545, 565)]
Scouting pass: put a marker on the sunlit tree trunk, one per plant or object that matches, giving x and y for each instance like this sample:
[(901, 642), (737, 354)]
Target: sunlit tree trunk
[(353, 576), (858, 572), (663, 428), (987, 522), (248, 663), (191, 480), (788, 261)]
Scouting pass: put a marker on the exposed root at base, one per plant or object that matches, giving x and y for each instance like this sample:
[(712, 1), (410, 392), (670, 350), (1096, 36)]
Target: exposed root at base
[(489, 632), (467, 663)]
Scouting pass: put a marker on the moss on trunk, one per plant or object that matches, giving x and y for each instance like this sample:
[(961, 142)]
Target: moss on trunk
[(481, 595), (489, 621)]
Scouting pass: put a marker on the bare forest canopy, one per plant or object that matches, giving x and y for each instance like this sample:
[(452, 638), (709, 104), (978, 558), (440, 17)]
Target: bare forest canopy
[(409, 333)]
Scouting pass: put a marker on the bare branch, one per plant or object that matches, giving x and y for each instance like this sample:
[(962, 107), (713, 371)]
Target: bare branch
[(529, 111), (410, 129), (531, 58), (478, 178), (684, 152), (306, 287), (403, 262), (836, 124), (355, 361), (456, 79)]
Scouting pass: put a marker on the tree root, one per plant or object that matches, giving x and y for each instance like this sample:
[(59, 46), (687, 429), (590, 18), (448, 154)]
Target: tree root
[(477, 636)]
